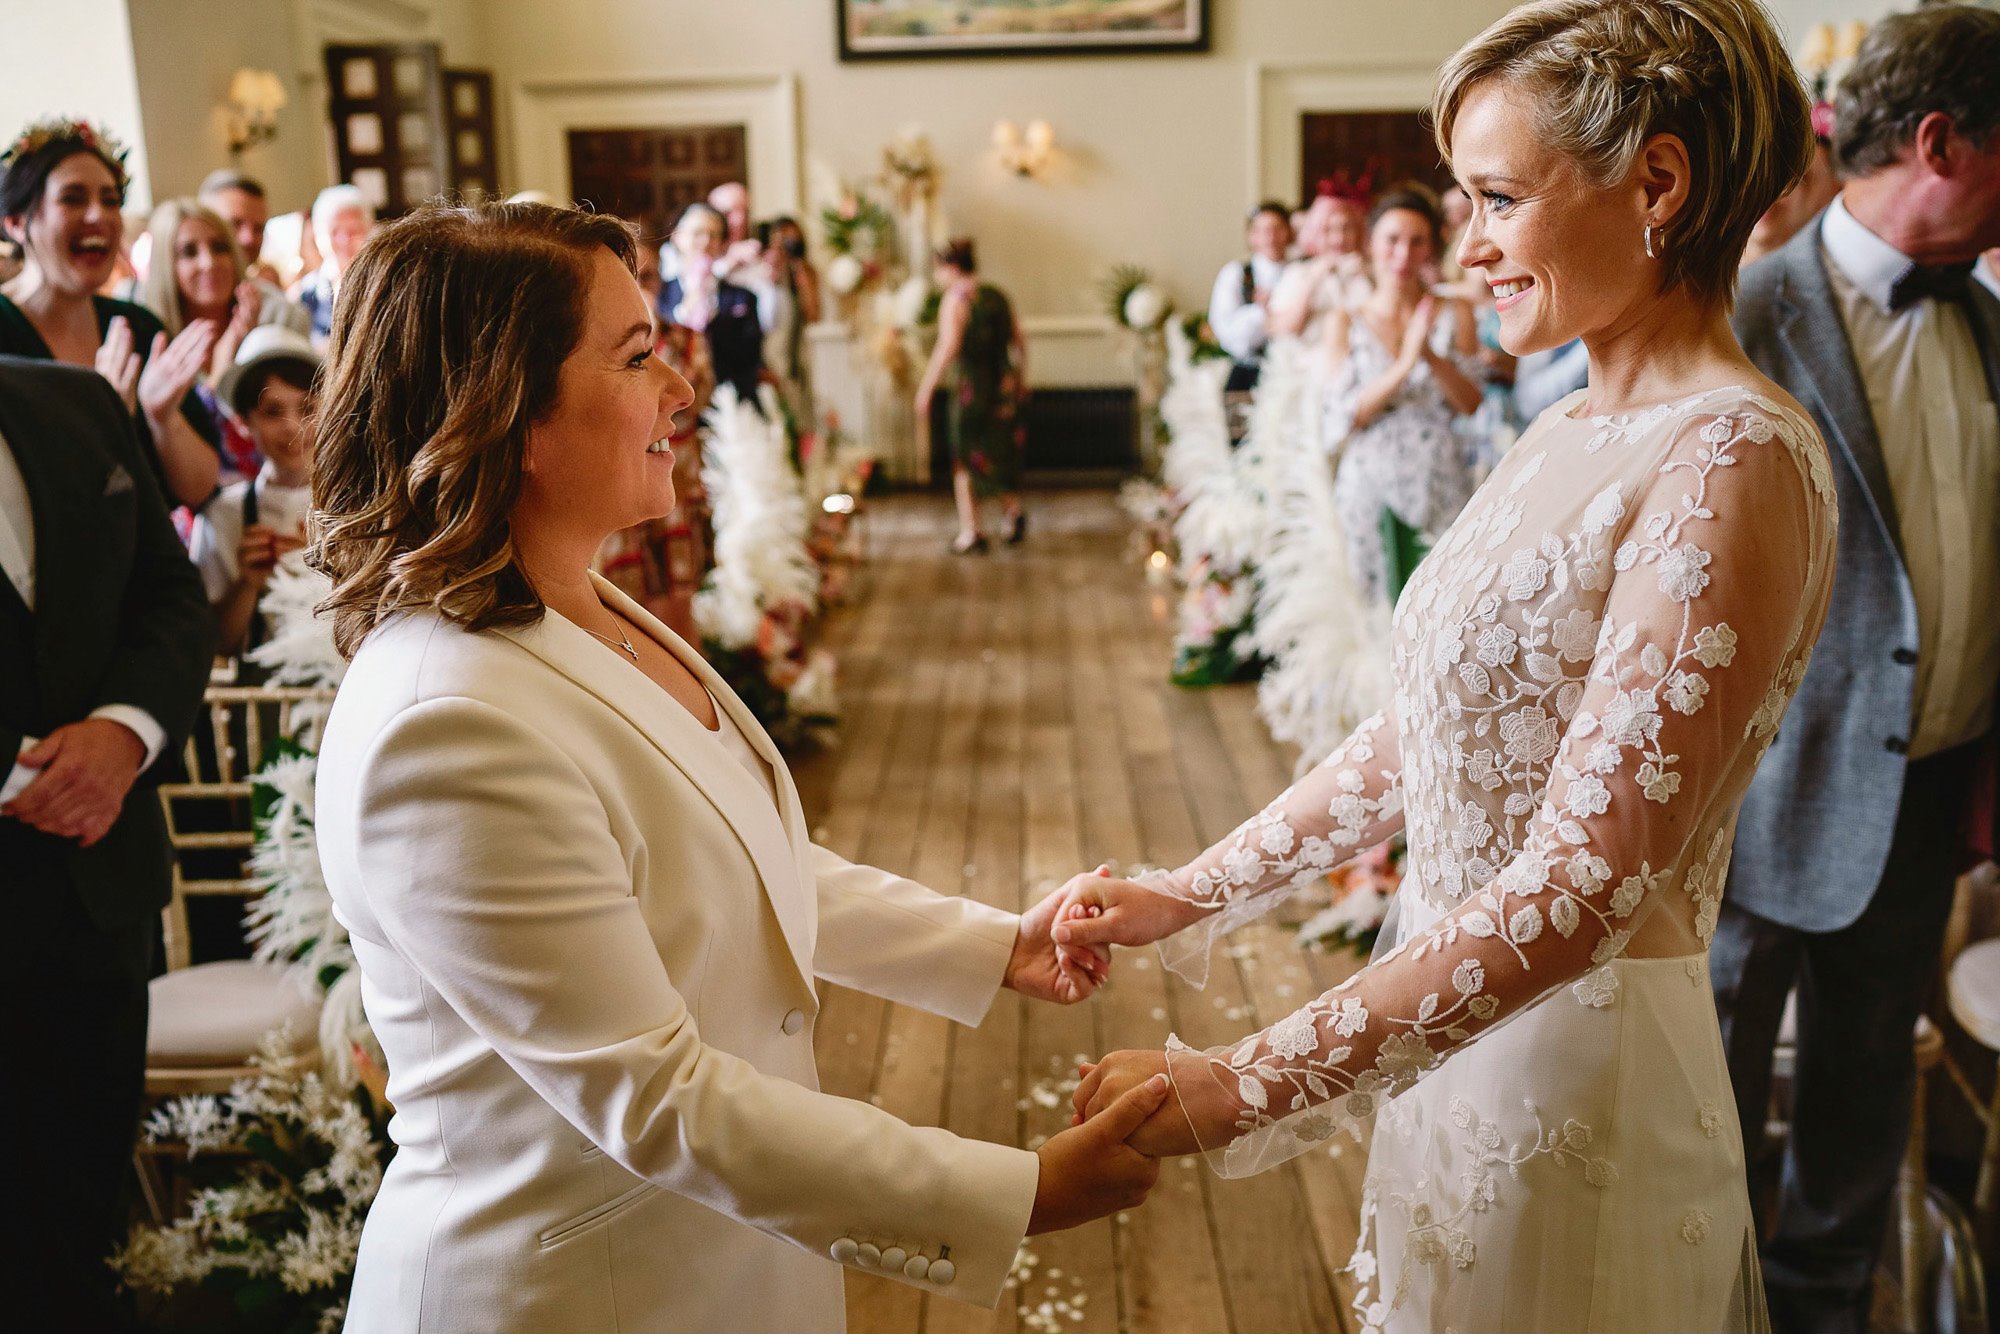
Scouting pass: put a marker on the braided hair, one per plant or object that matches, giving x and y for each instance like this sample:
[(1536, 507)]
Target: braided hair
[(1608, 75)]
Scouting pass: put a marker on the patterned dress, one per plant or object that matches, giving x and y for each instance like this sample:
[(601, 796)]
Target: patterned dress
[(1409, 461), (1587, 670), (984, 397)]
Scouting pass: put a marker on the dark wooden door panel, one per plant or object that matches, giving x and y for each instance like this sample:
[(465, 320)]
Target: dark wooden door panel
[(650, 175), (1386, 147), (473, 147), (386, 105)]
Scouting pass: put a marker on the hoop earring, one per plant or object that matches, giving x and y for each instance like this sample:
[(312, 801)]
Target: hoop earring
[(1649, 242)]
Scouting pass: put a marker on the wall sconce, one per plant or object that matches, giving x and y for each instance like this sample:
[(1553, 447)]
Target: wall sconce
[(256, 96), (1025, 153)]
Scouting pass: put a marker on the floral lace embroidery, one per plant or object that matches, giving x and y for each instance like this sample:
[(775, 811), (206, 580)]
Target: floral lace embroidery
[(1548, 700)]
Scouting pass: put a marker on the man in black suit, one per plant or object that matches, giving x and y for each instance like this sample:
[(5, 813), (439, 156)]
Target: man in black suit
[(105, 646)]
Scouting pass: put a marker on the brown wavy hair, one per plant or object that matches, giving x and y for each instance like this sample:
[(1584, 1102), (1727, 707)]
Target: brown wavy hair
[(450, 332)]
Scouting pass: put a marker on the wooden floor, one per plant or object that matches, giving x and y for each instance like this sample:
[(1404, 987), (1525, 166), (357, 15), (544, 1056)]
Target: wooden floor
[(1008, 723)]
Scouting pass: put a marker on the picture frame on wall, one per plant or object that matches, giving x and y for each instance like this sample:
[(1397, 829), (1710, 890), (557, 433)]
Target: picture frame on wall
[(937, 29)]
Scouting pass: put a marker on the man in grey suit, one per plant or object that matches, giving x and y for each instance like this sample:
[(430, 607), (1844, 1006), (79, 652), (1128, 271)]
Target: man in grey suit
[(1857, 824)]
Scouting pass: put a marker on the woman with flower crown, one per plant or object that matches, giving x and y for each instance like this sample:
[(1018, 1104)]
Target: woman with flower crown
[(63, 185)]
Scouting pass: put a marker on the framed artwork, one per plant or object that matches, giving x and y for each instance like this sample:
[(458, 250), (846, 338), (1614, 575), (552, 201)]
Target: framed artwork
[(929, 29)]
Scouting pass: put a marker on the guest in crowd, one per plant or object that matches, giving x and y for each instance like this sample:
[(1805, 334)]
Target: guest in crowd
[(342, 220), (199, 273), (981, 362), (1544, 379), (244, 533), (741, 249), (795, 283), (729, 316), (1238, 304), (105, 646), (60, 197), (1332, 274), (239, 201), (1856, 828), (574, 869), (1402, 375), (1803, 202)]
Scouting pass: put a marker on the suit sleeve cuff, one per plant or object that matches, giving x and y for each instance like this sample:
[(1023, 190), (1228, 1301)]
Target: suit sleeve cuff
[(141, 724)]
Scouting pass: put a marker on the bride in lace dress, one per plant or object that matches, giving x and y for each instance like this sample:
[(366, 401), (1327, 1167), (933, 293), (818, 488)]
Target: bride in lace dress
[(1587, 669)]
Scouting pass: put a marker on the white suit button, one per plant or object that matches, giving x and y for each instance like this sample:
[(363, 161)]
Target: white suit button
[(918, 1266), (943, 1272), (892, 1259), (844, 1249), (867, 1256), (794, 1021)]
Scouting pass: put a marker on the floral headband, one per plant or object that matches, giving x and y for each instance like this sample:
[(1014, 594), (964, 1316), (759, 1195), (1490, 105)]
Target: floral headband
[(59, 128)]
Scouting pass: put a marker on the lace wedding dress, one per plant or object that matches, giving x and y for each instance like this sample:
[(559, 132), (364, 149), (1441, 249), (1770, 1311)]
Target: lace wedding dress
[(1587, 668)]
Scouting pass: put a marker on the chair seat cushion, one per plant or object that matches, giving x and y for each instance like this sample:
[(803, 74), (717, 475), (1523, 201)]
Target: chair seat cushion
[(218, 1014), (1974, 988)]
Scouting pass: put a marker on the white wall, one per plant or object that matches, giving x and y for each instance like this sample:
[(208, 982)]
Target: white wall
[(1159, 153), (72, 58)]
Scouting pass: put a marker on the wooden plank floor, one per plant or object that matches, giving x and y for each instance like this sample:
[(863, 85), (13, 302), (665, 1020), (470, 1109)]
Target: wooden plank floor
[(1008, 723)]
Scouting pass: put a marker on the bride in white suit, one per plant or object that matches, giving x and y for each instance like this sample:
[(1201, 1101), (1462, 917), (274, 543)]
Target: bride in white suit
[(587, 913)]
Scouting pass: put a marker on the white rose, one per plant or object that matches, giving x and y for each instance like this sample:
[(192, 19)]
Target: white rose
[(1145, 307), (911, 297), (844, 274)]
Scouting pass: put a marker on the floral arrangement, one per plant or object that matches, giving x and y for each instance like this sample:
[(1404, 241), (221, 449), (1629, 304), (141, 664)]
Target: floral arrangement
[(909, 168), (1359, 895), (42, 133), (1134, 300), (862, 236), (757, 607), (293, 1164), (1202, 344), (1213, 642)]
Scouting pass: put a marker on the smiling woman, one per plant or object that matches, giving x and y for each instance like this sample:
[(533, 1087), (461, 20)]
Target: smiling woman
[(575, 870)]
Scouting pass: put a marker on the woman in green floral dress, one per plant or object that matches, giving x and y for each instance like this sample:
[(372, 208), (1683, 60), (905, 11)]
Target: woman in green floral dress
[(981, 363)]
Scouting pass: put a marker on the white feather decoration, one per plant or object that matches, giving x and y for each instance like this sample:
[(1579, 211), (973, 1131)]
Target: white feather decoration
[(761, 522), (1327, 645)]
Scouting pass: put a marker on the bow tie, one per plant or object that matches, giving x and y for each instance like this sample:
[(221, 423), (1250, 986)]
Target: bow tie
[(1941, 282)]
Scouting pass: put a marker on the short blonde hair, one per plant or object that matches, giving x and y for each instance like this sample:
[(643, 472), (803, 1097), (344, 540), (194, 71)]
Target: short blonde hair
[(1610, 74), (158, 291)]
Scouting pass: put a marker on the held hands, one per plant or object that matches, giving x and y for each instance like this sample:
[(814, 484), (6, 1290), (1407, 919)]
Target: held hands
[(86, 769), (1090, 1170), (1100, 910), (1041, 970), (1167, 1132)]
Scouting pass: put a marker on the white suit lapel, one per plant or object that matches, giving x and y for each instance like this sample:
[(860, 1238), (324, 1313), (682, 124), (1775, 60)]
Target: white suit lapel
[(766, 834)]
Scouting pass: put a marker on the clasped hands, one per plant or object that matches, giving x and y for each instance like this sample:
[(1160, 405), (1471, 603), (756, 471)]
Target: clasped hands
[(87, 768), (1126, 1115)]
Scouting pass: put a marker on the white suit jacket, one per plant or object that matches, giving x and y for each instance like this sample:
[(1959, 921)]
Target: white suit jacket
[(587, 942)]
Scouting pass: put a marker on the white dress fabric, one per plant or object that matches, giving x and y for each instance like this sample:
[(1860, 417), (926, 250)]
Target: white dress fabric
[(1587, 669), (1410, 459)]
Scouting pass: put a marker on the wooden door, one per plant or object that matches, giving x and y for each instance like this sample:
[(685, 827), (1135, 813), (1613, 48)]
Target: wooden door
[(386, 105), (1387, 147), (649, 175), (468, 125)]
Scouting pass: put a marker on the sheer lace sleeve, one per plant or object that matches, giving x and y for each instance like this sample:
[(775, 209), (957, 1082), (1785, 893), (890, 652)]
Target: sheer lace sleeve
[(1348, 803), (1717, 593)]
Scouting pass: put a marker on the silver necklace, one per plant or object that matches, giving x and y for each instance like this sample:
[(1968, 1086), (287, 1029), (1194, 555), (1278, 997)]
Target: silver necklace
[(622, 643)]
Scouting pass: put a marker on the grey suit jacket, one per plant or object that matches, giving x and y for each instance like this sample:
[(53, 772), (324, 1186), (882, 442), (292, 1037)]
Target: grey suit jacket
[(1816, 824)]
